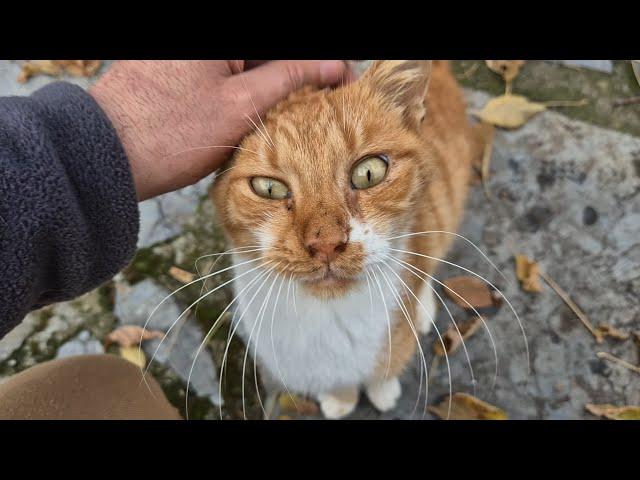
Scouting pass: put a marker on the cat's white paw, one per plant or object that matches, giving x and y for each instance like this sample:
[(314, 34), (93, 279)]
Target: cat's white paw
[(384, 394), (336, 406), (424, 320)]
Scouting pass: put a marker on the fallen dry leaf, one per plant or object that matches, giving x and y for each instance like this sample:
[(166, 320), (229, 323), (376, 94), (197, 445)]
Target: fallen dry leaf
[(181, 275), (613, 332), (37, 67), (467, 407), (509, 111), (77, 68), (293, 404), (451, 338), (130, 336), (528, 273), (612, 412), (471, 289), (134, 355), (508, 69)]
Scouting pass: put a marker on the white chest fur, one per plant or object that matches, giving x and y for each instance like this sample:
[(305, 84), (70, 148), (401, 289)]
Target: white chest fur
[(309, 344)]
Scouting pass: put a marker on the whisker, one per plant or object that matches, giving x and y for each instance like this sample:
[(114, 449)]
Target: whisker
[(266, 133), (524, 336), (370, 294), (258, 323), (258, 131), (191, 306), (234, 328), (144, 327), (463, 238), (386, 310), (493, 344), (273, 346), (464, 346), (219, 255), (206, 339), (207, 147), (405, 312), (432, 320)]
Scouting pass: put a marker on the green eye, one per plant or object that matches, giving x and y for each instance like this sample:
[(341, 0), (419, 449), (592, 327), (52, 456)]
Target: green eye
[(369, 172), (269, 188)]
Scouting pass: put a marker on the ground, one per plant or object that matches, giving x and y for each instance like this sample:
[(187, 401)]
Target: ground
[(564, 190)]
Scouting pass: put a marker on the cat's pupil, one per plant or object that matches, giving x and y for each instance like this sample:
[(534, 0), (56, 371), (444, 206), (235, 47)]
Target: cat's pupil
[(369, 176)]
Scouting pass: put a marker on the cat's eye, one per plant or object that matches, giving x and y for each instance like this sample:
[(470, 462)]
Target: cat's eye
[(269, 188), (369, 172)]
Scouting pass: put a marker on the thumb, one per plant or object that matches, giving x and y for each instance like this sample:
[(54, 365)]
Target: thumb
[(271, 82)]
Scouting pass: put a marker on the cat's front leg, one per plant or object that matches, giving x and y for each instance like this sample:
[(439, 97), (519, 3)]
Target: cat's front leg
[(339, 403), (384, 393), (426, 309)]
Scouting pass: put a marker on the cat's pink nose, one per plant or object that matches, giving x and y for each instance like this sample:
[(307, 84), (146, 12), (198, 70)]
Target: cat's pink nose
[(327, 249)]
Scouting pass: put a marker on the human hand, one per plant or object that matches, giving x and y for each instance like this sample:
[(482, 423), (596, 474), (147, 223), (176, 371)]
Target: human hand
[(179, 120)]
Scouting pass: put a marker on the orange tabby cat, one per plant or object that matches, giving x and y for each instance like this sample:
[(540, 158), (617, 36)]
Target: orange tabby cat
[(318, 205)]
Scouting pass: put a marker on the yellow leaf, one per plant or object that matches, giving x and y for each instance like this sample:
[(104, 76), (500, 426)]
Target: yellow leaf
[(509, 111), (508, 69), (467, 407), (134, 355), (528, 273), (614, 413)]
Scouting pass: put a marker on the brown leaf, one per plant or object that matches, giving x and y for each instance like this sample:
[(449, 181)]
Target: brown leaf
[(181, 275), (293, 404), (612, 412), (471, 289), (528, 272), (467, 407), (508, 69), (129, 336), (451, 338), (611, 331), (509, 111)]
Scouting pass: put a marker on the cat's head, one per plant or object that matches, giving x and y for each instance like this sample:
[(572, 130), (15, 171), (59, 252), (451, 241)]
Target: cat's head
[(331, 176)]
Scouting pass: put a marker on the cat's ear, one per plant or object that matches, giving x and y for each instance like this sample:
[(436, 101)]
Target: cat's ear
[(403, 84)]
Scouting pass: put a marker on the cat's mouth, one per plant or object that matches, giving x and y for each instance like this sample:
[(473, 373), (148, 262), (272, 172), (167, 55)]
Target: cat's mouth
[(329, 278)]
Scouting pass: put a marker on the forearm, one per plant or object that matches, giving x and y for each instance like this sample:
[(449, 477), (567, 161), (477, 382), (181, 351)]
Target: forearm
[(68, 211)]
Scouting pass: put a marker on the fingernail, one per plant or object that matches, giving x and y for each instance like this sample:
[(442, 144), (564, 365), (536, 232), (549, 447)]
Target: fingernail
[(331, 71)]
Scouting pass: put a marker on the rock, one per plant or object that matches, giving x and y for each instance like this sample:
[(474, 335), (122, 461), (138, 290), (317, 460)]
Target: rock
[(133, 305), (81, 344), (14, 339), (164, 217), (598, 65)]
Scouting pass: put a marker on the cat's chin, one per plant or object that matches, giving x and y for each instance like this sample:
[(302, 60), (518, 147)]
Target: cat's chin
[(329, 286)]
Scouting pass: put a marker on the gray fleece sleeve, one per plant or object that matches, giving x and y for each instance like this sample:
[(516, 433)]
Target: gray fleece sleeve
[(68, 210)]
